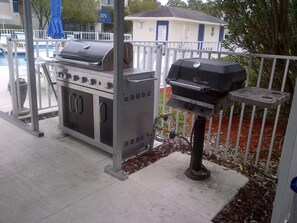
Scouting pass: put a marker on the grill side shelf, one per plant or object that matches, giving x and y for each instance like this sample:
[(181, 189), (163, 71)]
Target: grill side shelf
[(260, 97)]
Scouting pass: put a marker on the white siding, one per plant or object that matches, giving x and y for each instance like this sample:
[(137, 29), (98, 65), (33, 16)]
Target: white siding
[(182, 31), (144, 30), (211, 33), (177, 31), (6, 9)]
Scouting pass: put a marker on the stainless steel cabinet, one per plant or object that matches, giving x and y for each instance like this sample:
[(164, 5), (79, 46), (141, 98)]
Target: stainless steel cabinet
[(78, 111)]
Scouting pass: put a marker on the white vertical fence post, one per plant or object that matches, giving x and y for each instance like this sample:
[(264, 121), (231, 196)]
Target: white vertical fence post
[(287, 168), (158, 82), (12, 78)]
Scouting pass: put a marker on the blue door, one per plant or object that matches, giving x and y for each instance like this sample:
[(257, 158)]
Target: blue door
[(200, 35), (162, 31), (221, 35)]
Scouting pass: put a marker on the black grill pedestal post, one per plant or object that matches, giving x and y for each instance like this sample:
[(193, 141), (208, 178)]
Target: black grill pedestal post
[(197, 171)]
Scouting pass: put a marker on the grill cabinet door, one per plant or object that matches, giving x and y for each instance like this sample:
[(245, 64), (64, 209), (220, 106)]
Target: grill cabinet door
[(69, 108), (106, 120), (78, 112), (84, 110)]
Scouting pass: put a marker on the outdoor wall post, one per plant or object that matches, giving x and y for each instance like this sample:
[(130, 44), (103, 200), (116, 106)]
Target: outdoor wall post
[(158, 81), (31, 67), (287, 168), (118, 66)]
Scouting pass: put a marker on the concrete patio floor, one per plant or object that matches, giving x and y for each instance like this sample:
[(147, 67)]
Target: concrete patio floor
[(57, 178)]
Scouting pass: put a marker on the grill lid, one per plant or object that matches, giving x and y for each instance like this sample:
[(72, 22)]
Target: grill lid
[(202, 86), (97, 54), (206, 75)]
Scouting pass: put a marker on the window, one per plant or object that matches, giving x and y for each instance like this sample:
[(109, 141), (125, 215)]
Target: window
[(15, 5), (107, 2)]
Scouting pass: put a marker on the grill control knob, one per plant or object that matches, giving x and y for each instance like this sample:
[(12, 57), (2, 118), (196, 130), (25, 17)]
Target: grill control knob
[(75, 77), (66, 76), (92, 81), (108, 85), (84, 79)]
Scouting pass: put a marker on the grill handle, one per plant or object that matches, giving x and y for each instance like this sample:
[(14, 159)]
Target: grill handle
[(70, 102), (79, 112), (103, 112), (80, 62), (189, 86), (142, 80)]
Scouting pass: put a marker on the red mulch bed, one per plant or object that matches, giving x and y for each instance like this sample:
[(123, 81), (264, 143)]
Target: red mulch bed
[(254, 202)]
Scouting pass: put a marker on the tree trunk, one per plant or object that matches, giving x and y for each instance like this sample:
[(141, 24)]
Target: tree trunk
[(21, 12)]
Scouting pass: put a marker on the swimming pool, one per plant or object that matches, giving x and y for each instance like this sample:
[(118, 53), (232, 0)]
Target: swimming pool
[(21, 56)]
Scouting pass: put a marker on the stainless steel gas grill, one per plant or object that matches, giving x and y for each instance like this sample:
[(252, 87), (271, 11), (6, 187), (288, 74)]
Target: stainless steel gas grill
[(202, 86), (85, 96)]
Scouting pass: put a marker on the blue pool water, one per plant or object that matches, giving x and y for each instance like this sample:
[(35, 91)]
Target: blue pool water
[(21, 58)]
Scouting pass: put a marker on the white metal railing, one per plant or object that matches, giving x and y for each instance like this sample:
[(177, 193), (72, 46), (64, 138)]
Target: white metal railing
[(157, 57), (42, 34), (16, 56), (146, 57), (198, 45)]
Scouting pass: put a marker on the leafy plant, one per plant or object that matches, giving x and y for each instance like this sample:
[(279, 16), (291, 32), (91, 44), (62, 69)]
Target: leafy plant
[(21, 81)]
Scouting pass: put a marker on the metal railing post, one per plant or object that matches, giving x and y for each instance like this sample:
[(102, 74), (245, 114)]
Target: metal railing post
[(158, 82), (287, 167), (31, 68), (293, 212), (116, 168), (12, 78)]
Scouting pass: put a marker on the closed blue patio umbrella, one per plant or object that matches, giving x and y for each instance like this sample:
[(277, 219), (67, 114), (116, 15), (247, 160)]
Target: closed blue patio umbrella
[(55, 29)]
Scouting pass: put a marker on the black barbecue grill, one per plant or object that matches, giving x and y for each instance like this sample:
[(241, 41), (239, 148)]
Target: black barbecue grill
[(201, 86)]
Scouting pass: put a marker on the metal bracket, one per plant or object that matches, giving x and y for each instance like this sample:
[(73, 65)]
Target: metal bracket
[(121, 174)]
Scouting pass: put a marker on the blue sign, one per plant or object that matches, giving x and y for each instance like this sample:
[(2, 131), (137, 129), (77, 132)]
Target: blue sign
[(105, 17)]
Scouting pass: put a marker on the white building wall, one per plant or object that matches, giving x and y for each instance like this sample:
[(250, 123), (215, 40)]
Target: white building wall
[(144, 30), (177, 31), (6, 10), (182, 31), (211, 33)]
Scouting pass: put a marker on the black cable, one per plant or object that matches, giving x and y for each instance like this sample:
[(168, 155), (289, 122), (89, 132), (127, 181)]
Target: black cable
[(187, 141), (172, 134), (193, 132)]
